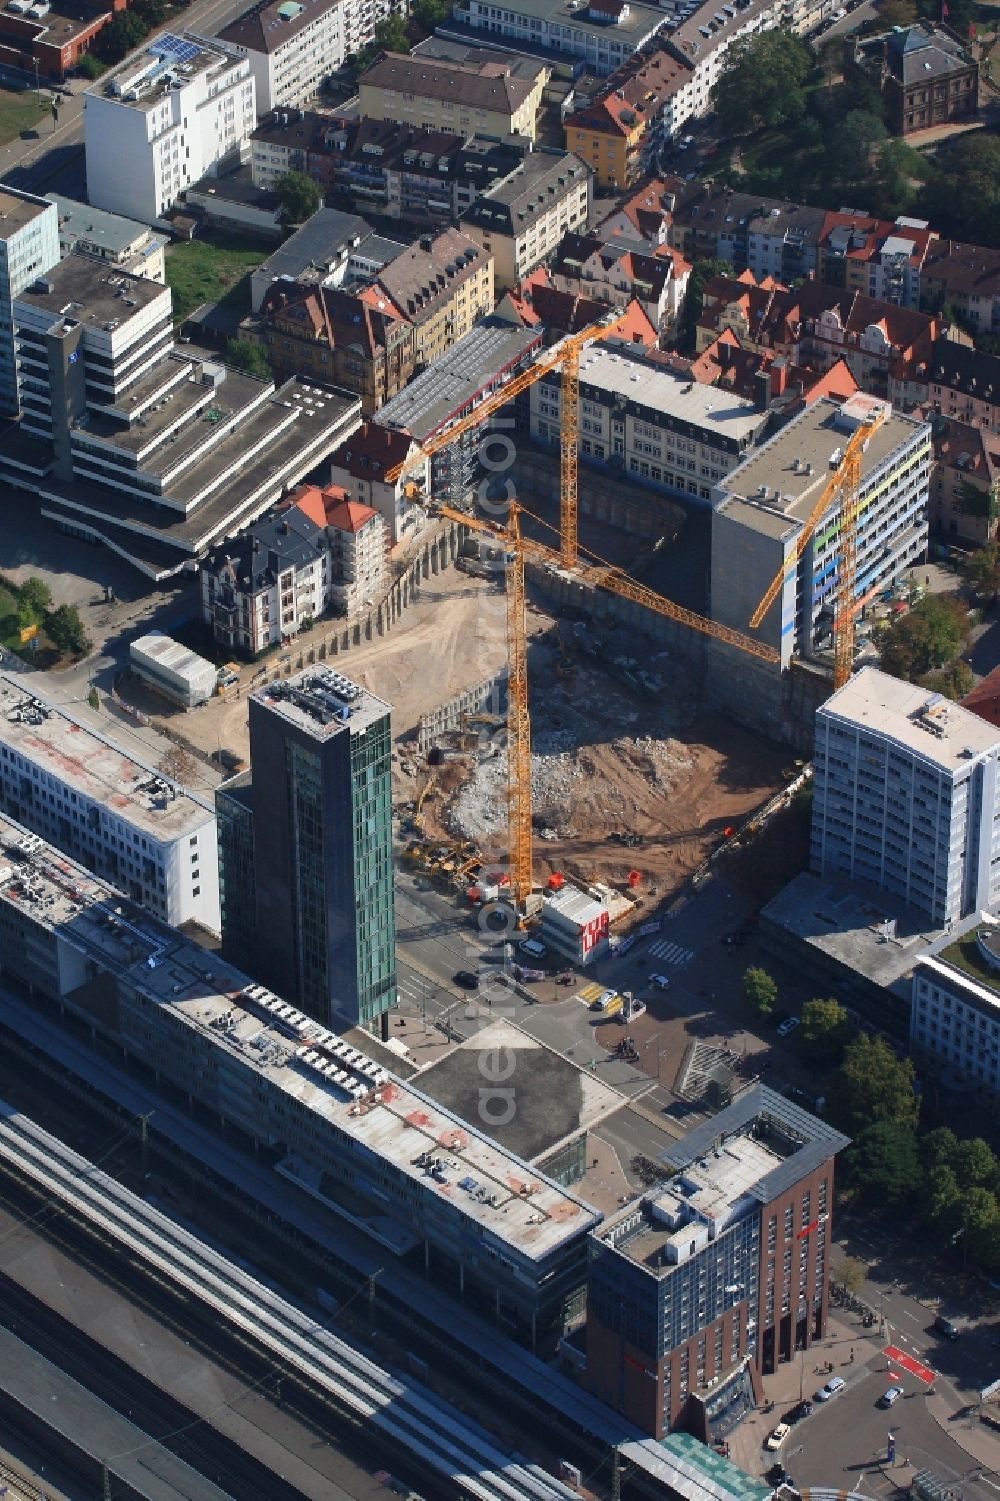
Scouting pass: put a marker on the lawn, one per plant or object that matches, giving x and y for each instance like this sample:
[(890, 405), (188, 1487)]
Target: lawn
[(20, 110), (964, 954), (216, 270)]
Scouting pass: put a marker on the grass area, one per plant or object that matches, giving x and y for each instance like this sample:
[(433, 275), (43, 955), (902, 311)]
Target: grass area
[(10, 632), (20, 111), (965, 955), (215, 270)]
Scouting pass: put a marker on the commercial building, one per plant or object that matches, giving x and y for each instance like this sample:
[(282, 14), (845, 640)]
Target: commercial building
[(955, 1018), (431, 94), (709, 1281), (316, 882), (119, 817), (403, 1170), (124, 244), (654, 425), (520, 221), (452, 388), (292, 46), (924, 74), (29, 247), (182, 109), (171, 669), (46, 40), (375, 467), (602, 33), (442, 285), (906, 796), (760, 508), (157, 453)]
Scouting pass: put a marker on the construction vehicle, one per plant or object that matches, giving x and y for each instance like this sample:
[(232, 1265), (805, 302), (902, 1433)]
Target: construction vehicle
[(844, 484)]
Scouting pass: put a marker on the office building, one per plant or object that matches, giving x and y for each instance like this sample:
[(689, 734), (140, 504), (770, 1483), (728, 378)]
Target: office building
[(602, 33), (124, 244), (320, 804), (411, 1175), (520, 220), (955, 1015), (121, 819), (181, 109), (292, 46), (759, 510), (465, 99), (29, 246), (906, 796), (706, 1283)]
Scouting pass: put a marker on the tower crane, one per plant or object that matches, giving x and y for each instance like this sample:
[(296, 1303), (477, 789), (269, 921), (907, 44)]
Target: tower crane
[(843, 484)]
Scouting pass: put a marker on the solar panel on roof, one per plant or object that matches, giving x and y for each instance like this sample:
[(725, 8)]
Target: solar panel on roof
[(177, 48)]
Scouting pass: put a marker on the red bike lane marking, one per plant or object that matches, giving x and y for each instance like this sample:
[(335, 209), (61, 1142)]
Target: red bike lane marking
[(899, 1357)]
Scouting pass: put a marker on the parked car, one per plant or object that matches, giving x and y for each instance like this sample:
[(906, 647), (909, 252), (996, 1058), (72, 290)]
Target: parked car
[(788, 1027), (466, 979), (833, 1386), (777, 1018), (945, 1327), (777, 1437), (661, 982), (533, 947), (799, 1411), (604, 1000), (889, 1397), (778, 1475)]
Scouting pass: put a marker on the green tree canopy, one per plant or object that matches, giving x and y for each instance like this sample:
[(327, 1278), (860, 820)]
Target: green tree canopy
[(34, 598), (954, 681), (121, 36), (931, 634), (430, 13), (300, 195), (824, 1033), (982, 569), (65, 630), (761, 85), (249, 358), (873, 1085), (884, 1161), (850, 152), (702, 272), (759, 990)]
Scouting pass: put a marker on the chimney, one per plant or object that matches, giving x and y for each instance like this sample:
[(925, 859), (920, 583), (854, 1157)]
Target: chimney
[(762, 390), (779, 375)]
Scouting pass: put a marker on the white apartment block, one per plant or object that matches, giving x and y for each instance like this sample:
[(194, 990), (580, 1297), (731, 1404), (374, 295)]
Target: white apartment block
[(702, 38), (955, 1018), (603, 32), (121, 819), (662, 429), (292, 46), (29, 246), (906, 796), (176, 112), (260, 588), (760, 509)]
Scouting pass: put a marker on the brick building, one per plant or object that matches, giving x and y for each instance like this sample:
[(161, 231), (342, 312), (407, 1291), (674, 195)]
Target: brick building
[(924, 74)]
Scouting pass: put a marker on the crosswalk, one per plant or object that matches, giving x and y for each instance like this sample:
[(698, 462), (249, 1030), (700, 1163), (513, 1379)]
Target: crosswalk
[(671, 953)]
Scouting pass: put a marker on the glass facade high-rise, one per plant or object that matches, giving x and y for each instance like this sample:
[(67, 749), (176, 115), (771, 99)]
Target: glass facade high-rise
[(321, 923)]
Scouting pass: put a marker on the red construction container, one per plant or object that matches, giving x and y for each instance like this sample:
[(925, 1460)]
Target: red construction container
[(635, 878)]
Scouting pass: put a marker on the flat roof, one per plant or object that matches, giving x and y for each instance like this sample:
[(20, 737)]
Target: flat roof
[(928, 724), (950, 967), (708, 407), (640, 21), (556, 1099), (795, 464), (91, 764), (168, 59), (83, 290), (686, 1467), (322, 701), (509, 1201), (172, 655), (444, 389), (17, 210), (95, 225)]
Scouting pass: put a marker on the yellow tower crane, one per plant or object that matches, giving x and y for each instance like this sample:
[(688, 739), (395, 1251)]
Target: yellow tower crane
[(844, 484)]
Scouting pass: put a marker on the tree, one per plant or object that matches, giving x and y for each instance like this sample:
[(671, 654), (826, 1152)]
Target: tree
[(850, 151), (177, 764), (152, 13), (390, 33), (430, 13), (759, 990), (852, 1273), (88, 66), (931, 634), (761, 83), (300, 196), (897, 13), (121, 36), (954, 681), (885, 1163), (975, 1164), (873, 1085), (824, 1033), (982, 569), (65, 630), (37, 595), (942, 1200), (702, 272), (94, 698), (249, 358)]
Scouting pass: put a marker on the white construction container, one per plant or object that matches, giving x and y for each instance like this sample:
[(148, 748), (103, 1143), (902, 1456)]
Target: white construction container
[(172, 669), (575, 925)]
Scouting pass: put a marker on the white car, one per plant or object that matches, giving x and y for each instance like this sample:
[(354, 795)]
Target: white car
[(777, 1438), (788, 1026), (533, 947), (833, 1386), (660, 981), (604, 1000)]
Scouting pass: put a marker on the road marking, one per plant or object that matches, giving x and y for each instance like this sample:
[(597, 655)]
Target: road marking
[(671, 953), (916, 1368)]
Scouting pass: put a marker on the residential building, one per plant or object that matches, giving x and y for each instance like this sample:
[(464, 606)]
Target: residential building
[(648, 423), (156, 452), (603, 33), (967, 278), (480, 364), (520, 220), (122, 243), (320, 797), (252, 1063), (760, 509), (264, 584), (29, 247), (705, 1284), (442, 285), (619, 133), (361, 19), (118, 816), (960, 382), (768, 378), (873, 256), (536, 303), (703, 39), (359, 341), (645, 216), (984, 698), (285, 141), (955, 1016), (330, 249), (375, 467), (906, 796), (616, 274), (965, 482), (292, 46), (925, 75), (768, 236), (431, 94), (356, 538), (181, 109)]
